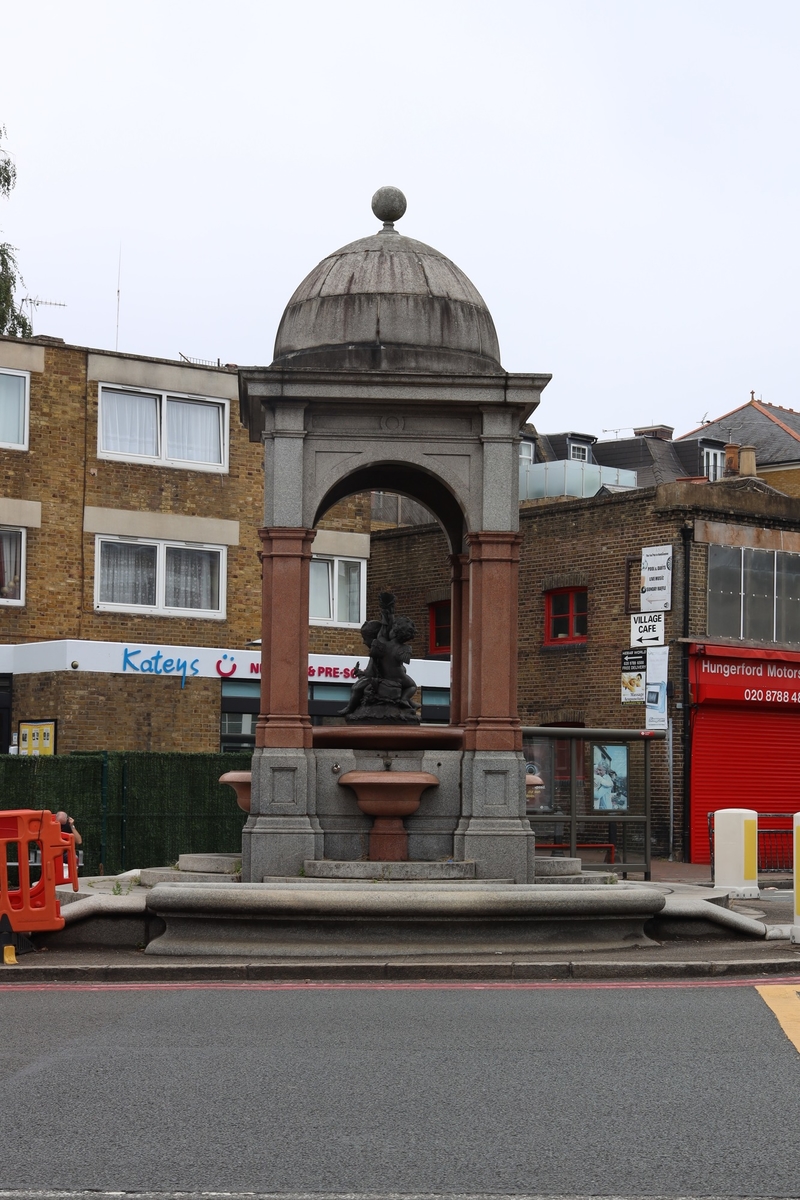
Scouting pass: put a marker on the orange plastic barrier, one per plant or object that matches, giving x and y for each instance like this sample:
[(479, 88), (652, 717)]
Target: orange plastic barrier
[(28, 886)]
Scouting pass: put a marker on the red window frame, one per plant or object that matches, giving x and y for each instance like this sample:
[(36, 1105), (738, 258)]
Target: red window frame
[(566, 616), (436, 614)]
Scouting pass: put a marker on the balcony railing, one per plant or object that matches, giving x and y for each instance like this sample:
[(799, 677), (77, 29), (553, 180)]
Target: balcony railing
[(538, 481)]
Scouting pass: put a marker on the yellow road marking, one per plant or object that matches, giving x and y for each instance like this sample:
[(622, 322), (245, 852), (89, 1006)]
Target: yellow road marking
[(784, 1000)]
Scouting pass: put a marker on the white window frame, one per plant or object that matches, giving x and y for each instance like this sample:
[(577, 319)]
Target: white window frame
[(526, 450), (713, 463), (578, 452), (161, 459), (160, 609), (333, 575), (22, 567), (26, 376)]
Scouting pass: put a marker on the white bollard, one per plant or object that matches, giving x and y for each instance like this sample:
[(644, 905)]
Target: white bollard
[(736, 851), (795, 930)]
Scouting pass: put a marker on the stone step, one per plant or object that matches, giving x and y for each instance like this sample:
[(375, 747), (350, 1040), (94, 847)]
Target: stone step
[(400, 884), (592, 878), (214, 864), (413, 870), (556, 866), (150, 876)]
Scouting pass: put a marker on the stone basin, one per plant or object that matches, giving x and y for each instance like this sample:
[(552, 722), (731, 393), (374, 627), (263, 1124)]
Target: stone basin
[(388, 796), (241, 782)]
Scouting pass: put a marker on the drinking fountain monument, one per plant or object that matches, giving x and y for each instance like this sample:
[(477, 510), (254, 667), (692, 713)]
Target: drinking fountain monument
[(386, 375)]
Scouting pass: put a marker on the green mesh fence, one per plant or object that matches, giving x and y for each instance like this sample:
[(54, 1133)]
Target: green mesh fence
[(133, 809)]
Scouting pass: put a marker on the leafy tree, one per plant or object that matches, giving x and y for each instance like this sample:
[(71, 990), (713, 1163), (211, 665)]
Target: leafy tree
[(12, 319)]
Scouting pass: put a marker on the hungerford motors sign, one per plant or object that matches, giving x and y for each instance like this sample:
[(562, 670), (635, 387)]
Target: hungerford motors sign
[(185, 662), (751, 677)]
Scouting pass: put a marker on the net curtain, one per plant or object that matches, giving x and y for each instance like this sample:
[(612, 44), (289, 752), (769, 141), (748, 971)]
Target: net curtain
[(10, 563), (130, 425), (192, 579)]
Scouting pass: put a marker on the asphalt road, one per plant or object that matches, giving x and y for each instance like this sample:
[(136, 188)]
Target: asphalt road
[(575, 1090)]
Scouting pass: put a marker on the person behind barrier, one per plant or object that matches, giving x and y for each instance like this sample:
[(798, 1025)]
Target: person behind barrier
[(68, 826)]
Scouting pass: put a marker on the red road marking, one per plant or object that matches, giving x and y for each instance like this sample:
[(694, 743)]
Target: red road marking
[(423, 985)]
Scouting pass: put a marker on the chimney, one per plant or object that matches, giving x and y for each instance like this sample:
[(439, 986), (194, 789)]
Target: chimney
[(662, 432), (731, 459), (747, 460)]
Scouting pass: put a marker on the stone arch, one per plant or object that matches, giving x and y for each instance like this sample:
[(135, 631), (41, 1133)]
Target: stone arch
[(407, 479)]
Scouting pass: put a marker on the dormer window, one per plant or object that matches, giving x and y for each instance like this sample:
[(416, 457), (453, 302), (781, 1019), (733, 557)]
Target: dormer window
[(526, 451), (713, 463), (579, 451)]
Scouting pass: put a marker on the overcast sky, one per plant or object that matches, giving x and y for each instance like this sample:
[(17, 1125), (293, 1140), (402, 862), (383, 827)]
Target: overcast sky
[(619, 179)]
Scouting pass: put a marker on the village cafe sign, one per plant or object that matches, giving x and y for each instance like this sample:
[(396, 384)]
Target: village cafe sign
[(765, 678)]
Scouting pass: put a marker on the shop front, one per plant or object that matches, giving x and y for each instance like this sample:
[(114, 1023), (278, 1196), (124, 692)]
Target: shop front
[(745, 749), (61, 696)]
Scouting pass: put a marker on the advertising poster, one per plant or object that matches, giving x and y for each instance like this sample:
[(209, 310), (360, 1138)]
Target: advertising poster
[(37, 738), (610, 777), (634, 674), (656, 589), (656, 688)]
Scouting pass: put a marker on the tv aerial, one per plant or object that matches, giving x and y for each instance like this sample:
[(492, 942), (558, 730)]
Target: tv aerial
[(34, 302)]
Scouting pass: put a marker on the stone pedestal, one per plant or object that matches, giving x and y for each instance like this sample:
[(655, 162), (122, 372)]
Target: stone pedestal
[(493, 829), (282, 829)]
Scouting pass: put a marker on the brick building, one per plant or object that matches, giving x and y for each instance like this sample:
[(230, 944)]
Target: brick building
[(130, 499), (732, 628)]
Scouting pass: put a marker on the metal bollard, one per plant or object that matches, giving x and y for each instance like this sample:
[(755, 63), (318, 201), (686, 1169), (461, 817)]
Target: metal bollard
[(736, 851), (794, 933)]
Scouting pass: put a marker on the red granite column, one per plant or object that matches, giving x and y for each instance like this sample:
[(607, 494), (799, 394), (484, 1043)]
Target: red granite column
[(492, 721), (459, 634), (285, 558)]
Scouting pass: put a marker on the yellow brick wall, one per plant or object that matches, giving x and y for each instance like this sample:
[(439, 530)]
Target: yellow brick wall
[(61, 469), (787, 481), (115, 712)]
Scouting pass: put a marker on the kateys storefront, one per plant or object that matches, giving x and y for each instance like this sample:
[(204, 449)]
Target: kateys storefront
[(745, 749)]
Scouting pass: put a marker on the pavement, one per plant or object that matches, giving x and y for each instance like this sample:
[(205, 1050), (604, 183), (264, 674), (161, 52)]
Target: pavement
[(720, 949)]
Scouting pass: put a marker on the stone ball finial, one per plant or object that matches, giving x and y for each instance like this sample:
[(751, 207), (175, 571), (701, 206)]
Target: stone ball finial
[(388, 204)]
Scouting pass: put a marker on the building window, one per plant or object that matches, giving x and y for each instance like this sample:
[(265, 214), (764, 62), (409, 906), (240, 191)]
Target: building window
[(526, 451), (163, 429), (14, 393), (633, 583), (12, 566), (753, 594), (713, 463), (240, 706), (579, 451), (164, 578), (565, 616), (439, 638), (337, 591)]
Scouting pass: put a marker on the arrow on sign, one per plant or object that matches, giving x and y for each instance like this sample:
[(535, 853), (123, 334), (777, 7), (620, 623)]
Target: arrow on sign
[(641, 639)]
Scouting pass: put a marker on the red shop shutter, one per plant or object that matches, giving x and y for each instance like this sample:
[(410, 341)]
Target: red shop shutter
[(742, 758)]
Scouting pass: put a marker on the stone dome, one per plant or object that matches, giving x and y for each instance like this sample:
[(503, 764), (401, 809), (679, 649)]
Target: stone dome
[(388, 302)]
